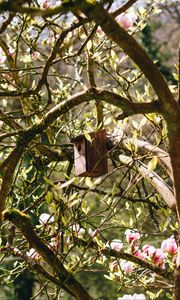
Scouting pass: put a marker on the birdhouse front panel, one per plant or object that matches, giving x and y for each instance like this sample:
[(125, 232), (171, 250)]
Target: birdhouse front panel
[(91, 157), (80, 156)]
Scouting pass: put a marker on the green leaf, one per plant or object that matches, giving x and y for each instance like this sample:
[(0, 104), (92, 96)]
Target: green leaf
[(151, 295), (89, 182), (131, 222), (143, 122), (88, 137), (114, 55), (125, 159), (86, 207), (152, 163), (65, 220), (67, 183), (49, 181), (135, 124), (49, 197), (89, 45), (74, 202), (176, 77), (72, 197), (108, 121)]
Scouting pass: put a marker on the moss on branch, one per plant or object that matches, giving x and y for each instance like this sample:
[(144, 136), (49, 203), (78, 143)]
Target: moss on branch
[(24, 224), (25, 137)]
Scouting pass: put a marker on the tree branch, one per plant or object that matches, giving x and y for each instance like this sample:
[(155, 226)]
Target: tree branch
[(123, 8), (155, 180), (56, 49), (6, 22), (163, 156), (23, 223), (28, 135), (16, 8), (116, 33), (126, 256), (37, 268)]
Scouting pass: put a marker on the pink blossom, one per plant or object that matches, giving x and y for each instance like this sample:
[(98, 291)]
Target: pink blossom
[(138, 253), (117, 134), (45, 4), (55, 242), (99, 30), (131, 236), (169, 246), (148, 249), (11, 51), (155, 255), (127, 266), (32, 254), (127, 19), (139, 297), (116, 245), (158, 258), (35, 55)]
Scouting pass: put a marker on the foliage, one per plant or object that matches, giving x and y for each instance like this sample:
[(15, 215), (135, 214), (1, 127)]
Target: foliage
[(61, 76)]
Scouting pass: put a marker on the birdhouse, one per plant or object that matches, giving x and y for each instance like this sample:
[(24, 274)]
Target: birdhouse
[(91, 156)]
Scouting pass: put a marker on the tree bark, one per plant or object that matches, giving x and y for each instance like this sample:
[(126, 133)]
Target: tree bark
[(69, 283), (173, 125)]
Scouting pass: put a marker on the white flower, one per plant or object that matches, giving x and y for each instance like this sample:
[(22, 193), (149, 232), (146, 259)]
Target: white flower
[(92, 233), (2, 56), (133, 297), (46, 219), (117, 134), (81, 231), (139, 297), (125, 297), (44, 4), (11, 50), (75, 227), (78, 230), (116, 245)]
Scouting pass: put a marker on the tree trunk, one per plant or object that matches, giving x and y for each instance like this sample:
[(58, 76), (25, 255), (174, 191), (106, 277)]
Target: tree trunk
[(173, 125)]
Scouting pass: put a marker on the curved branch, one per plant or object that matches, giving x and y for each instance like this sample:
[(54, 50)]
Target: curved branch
[(123, 8), (128, 107), (117, 34), (126, 256), (136, 260), (15, 7), (163, 156), (28, 135), (56, 49), (23, 223), (36, 267), (155, 180)]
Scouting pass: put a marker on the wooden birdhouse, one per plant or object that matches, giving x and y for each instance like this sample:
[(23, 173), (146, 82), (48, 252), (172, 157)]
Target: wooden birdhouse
[(91, 157)]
